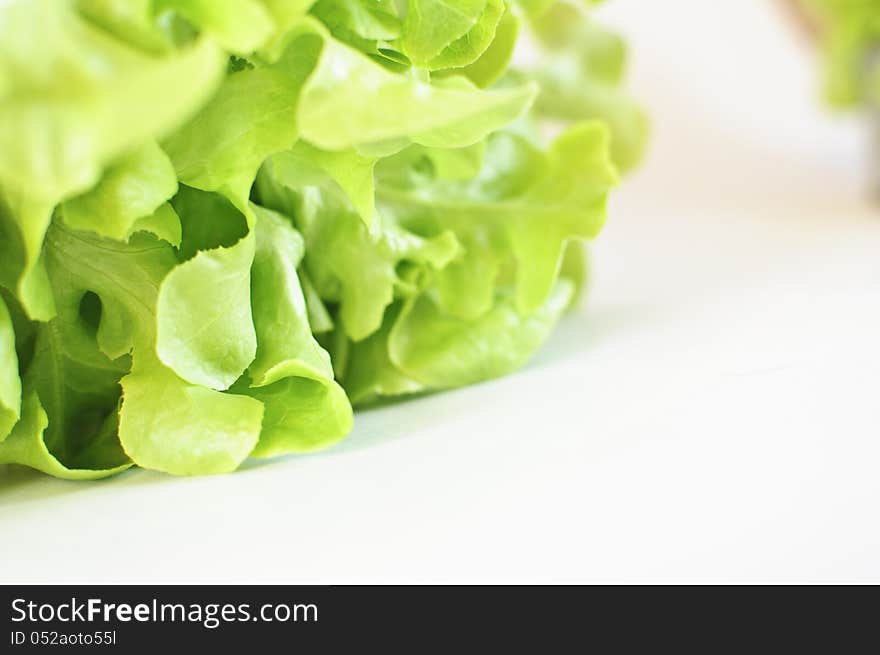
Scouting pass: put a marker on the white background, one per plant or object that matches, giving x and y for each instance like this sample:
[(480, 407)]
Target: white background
[(710, 415)]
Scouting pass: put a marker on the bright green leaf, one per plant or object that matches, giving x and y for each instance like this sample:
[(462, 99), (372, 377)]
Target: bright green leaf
[(432, 25), (467, 49), (370, 374), (349, 169)]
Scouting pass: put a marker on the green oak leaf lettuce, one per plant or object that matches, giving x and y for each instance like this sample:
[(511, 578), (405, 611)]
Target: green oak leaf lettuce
[(223, 224)]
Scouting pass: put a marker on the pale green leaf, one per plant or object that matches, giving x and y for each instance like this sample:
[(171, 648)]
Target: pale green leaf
[(164, 223), (397, 108), (240, 26), (169, 425), (10, 383)]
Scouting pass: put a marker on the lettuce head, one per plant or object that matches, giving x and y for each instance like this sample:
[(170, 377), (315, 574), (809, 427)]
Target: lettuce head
[(224, 222)]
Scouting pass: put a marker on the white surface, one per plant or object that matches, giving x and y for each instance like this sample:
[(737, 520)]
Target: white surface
[(710, 416)]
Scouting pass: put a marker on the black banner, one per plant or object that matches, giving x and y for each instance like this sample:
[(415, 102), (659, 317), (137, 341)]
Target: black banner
[(417, 618)]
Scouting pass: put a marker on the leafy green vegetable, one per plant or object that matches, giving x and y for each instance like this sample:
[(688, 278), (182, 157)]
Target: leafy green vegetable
[(95, 93), (224, 222)]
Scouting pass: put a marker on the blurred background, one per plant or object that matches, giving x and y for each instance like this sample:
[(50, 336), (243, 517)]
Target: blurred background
[(709, 414), (754, 208), (735, 94)]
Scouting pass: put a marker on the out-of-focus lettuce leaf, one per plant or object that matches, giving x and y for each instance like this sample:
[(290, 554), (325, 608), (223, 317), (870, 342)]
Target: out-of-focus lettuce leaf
[(580, 73), (850, 35), (72, 99), (75, 98)]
